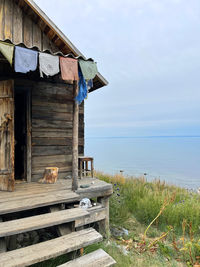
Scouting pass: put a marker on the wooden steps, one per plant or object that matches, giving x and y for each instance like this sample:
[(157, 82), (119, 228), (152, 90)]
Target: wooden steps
[(40, 200), (41, 221), (49, 249), (54, 199), (98, 258)]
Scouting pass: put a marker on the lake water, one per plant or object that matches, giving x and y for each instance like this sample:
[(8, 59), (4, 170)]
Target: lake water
[(173, 159)]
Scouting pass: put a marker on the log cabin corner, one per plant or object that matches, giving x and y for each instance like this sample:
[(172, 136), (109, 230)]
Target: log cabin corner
[(41, 125)]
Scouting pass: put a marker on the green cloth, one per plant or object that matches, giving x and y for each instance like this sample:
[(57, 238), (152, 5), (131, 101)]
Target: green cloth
[(7, 50), (88, 69)]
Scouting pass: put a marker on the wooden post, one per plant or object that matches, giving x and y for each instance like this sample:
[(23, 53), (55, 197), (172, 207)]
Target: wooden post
[(75, 141), (104, 227), (29, 141), (2, 242)]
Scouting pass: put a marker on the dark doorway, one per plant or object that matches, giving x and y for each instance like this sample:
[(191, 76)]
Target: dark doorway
[(20, 134)]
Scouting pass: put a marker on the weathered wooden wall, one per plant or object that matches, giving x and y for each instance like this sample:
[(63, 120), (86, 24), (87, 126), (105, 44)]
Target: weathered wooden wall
[(52, 123), (18, 27)]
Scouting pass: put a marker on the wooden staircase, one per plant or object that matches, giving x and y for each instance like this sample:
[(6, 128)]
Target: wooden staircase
[(71, 240)]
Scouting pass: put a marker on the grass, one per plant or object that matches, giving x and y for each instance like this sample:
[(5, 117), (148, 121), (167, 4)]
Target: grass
[(144, 199), (173, 238)]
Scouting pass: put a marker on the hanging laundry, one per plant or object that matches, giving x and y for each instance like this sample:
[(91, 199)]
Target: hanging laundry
[(7, 51), (88, 68), (25, 59), (48, 64), (82, 94), (69, 69)]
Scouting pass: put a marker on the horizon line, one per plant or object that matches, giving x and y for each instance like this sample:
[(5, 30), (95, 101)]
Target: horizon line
[(145, 136)]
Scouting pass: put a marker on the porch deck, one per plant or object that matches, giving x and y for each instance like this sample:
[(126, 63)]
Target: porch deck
[(34, 195)]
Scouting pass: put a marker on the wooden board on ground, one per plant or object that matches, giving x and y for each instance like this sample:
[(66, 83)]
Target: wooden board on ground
[(49, 249), (98, 258)]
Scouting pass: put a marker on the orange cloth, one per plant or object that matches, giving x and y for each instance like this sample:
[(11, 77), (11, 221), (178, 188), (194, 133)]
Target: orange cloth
[(69, 69)]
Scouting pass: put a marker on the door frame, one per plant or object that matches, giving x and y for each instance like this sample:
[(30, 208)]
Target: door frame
[(29, 137), (7, 177)]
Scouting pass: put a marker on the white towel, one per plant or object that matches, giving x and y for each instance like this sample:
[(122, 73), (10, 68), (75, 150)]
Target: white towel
[(25, 59), (49, 65)]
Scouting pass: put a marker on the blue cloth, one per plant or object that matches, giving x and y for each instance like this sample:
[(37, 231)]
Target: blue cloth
[(25, 59), (82, 94)]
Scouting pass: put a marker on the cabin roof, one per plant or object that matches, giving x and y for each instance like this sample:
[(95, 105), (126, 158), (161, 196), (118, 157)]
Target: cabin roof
[(56, 36)]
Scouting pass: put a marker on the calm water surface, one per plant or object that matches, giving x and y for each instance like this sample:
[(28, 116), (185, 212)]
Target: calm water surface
[(173, 159)]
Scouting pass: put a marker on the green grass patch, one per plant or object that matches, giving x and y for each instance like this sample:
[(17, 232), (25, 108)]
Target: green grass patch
[(144, 199)]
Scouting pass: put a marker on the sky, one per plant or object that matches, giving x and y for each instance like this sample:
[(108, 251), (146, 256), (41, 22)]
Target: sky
[(149, 51)]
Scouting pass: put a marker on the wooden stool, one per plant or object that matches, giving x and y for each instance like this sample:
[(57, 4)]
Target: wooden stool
[(83, 166)]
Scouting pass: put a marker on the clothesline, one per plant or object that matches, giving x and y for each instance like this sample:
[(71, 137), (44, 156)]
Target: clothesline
[(26, 60)]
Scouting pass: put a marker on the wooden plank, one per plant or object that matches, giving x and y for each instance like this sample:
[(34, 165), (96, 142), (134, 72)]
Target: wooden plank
[(51, 150), (33, 193), (96, 190), (51, 160), (37, 36), (49, 249), (48, 115), (51, 130), (52, 141), (44, 164), (57, 99), (98, 258), (8, 26), (39, 201), (28, 31), (42, 88), (40, 221), (96, 214), (17, 24), (45, 42), (37, 123), (2, 19), (53, 133), (39, 190), (52, 107)]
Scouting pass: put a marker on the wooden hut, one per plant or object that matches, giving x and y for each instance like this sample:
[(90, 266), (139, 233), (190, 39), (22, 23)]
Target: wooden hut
[(42, 126)]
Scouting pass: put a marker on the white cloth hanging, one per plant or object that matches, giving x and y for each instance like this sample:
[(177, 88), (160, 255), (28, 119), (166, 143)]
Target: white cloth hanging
[(48, 64)]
